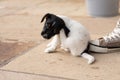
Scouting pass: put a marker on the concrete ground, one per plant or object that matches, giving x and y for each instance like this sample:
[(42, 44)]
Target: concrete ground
[(20, 20)]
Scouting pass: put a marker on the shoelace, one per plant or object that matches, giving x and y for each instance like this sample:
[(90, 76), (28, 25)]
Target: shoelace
[(114, 35)]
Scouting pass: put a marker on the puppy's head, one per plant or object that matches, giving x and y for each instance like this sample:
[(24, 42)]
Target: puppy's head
[(52, 25)]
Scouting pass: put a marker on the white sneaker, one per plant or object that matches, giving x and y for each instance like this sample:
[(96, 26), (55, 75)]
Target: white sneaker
[(107, 43)]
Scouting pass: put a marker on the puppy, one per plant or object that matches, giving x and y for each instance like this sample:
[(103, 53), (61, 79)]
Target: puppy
[(68, 33)]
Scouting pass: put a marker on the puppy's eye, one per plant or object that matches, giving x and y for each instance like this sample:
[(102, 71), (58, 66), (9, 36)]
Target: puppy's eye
[(48, 25)]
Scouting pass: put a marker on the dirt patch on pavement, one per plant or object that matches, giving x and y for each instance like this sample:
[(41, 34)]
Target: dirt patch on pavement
[(9, 51)]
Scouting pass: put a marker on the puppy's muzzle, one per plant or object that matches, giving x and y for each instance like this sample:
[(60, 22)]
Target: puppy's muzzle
[(45, 35)]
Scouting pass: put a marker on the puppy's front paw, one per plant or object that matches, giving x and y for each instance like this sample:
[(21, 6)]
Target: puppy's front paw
[(65, 49), (50, 44), (49, 49)]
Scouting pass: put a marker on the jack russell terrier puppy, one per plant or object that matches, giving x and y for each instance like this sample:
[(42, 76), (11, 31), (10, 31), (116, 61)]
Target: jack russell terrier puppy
[(68, 33)]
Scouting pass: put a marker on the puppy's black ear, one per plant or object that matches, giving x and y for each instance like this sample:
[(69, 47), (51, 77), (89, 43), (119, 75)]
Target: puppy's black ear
[(46, 16), (66, 31)]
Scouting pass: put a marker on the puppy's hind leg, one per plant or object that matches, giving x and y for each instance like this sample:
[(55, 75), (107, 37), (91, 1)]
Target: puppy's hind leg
[(90, 58)]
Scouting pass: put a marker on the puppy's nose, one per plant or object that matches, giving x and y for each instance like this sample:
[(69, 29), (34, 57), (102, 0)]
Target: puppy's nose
[(42, 33), (45, 36)]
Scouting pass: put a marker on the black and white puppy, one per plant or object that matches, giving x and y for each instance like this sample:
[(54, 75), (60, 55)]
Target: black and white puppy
[(68, 33)]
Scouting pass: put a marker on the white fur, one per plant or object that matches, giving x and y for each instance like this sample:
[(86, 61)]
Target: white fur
[(76, 42)]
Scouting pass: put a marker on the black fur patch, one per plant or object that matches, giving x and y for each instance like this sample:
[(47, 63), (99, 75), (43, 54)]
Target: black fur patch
[(66, 31), (53, 25)]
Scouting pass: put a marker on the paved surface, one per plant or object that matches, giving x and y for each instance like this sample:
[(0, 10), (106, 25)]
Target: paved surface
[(20, 20), (13, 75)]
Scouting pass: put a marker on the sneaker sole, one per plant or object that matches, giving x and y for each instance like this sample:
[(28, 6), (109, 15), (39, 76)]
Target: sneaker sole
[(95, 48)]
